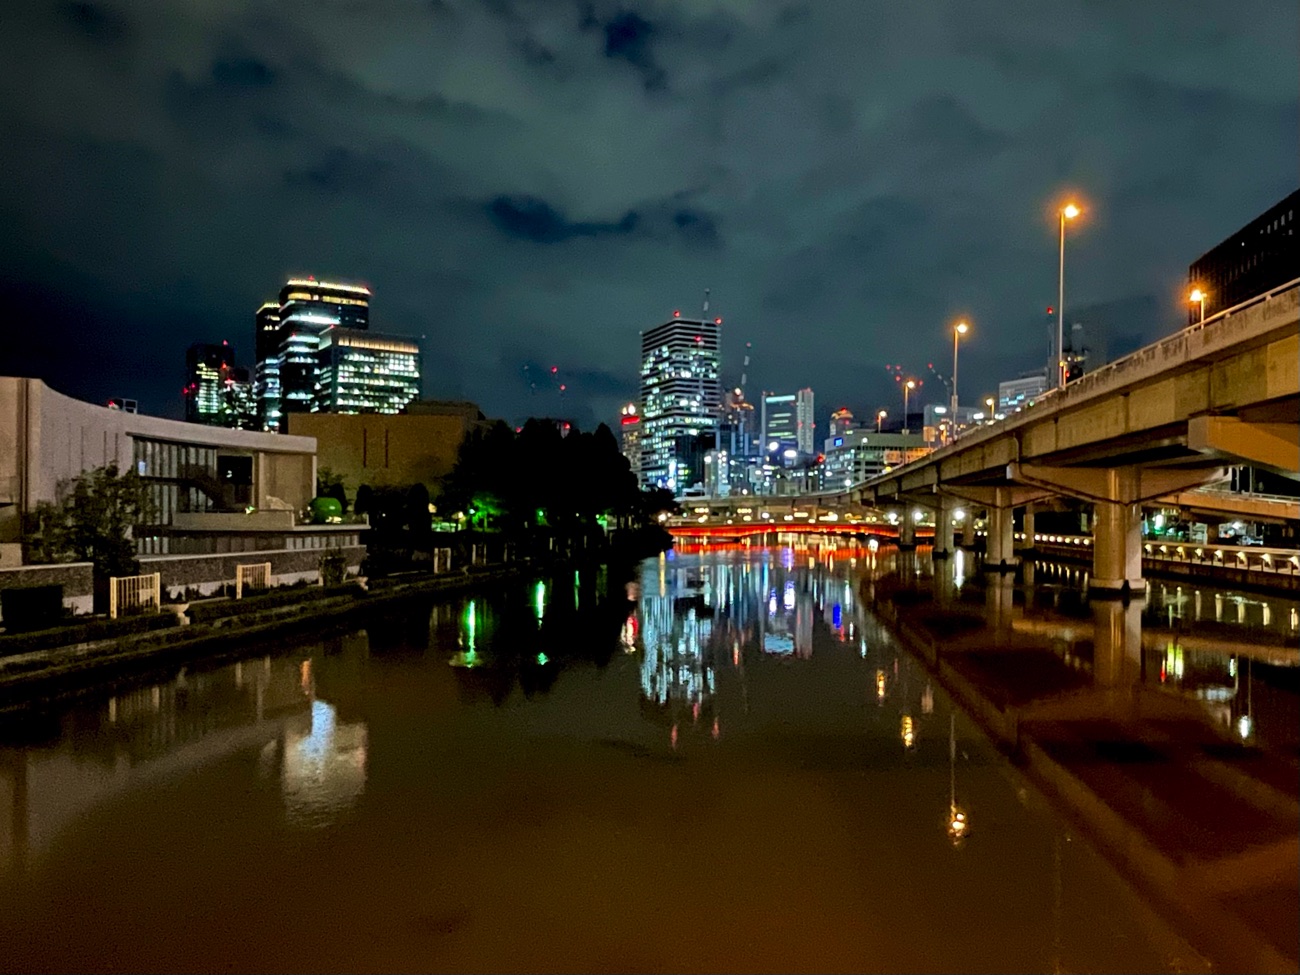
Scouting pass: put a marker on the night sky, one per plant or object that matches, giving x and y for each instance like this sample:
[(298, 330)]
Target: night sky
[(528, 184)]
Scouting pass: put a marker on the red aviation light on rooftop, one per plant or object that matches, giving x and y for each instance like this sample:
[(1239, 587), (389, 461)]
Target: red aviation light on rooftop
[(677, 313), (717, 321), (554, 370), (630, 419)]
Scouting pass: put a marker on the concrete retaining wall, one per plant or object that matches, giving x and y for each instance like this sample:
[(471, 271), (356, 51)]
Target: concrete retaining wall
[(206, 574), (76, 578)]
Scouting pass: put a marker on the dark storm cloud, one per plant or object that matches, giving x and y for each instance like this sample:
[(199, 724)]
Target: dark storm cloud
[(629, 37), (531, 219), (341, 170), (242, 72), (95, 20), (697, 227), (551, 178)]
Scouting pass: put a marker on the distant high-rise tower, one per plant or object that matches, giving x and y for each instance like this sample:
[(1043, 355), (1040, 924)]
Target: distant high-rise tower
[(316, 354), (217, 392), (205, 368), (680, 395), (806, 425), (629, 423), (780, 425), (308, 309), (266, 371), (842, 422)]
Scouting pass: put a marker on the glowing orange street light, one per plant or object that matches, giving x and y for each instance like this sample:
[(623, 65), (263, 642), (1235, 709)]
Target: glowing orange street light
[(1068, 212), (1197, 297), (880, 417), (958, 330)]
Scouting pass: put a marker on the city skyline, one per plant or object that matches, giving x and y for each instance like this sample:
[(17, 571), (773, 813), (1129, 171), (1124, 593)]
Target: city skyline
[(850, 209)]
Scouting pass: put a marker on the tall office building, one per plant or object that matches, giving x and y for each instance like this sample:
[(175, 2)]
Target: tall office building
[(217, 392), (315, 353), (805, 423), (266, 370), (1260, 256), (780, 426), (205, 369), (365, 372), (629, 435), (842, 421), (680, 394)]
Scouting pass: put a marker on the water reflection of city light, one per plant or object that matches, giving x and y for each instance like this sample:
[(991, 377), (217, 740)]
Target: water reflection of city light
[(324, 767), (908, 732), (880, 685)]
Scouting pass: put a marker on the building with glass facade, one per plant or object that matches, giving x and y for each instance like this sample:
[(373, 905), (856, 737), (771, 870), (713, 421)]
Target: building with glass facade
[(365, 372), (217, 392), (1016, 394), (316, 353), (1260, 256), (681, 392), (805, 423), (856, 457)]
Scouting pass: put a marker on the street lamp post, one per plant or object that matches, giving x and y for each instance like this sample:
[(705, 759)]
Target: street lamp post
[(1198, 297), (907, 389), (880, 417), (991, 403), (958, 330), (1068, 212)]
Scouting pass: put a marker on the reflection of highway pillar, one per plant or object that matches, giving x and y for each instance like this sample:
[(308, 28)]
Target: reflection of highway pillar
[(1117, 642), (999, 599), (999, 556), (907, 531), (1117, 542), (1028, 527), (943, 510)]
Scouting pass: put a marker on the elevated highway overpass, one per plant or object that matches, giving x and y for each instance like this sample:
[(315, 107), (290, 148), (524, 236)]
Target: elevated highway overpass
[(1169, 418)]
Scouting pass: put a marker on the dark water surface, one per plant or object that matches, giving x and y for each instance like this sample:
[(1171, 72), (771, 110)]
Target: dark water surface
[(739, 770)]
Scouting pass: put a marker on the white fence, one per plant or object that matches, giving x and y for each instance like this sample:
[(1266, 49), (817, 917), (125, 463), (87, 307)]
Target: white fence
[(442, 560), (127, 594), (256, 575)]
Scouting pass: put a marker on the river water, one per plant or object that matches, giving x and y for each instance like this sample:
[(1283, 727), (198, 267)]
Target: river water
[(721, 762)]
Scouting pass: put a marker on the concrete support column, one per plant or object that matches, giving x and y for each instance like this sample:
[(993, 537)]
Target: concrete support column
[(943, 541), (1117, 642), (999, 555), (907, 531), (1028, 527), (1117, 542)]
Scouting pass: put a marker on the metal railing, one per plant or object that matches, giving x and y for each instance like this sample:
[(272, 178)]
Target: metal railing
[(256, 575), (133, 594), (1276, 561)]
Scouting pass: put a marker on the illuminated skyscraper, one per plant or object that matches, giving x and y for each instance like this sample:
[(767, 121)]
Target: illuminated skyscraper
[(780, 425), (680, 394), (266, 371), (217, 392), (630, 437), (315, 353), (205, 369), (365, 372), (805, 423)]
